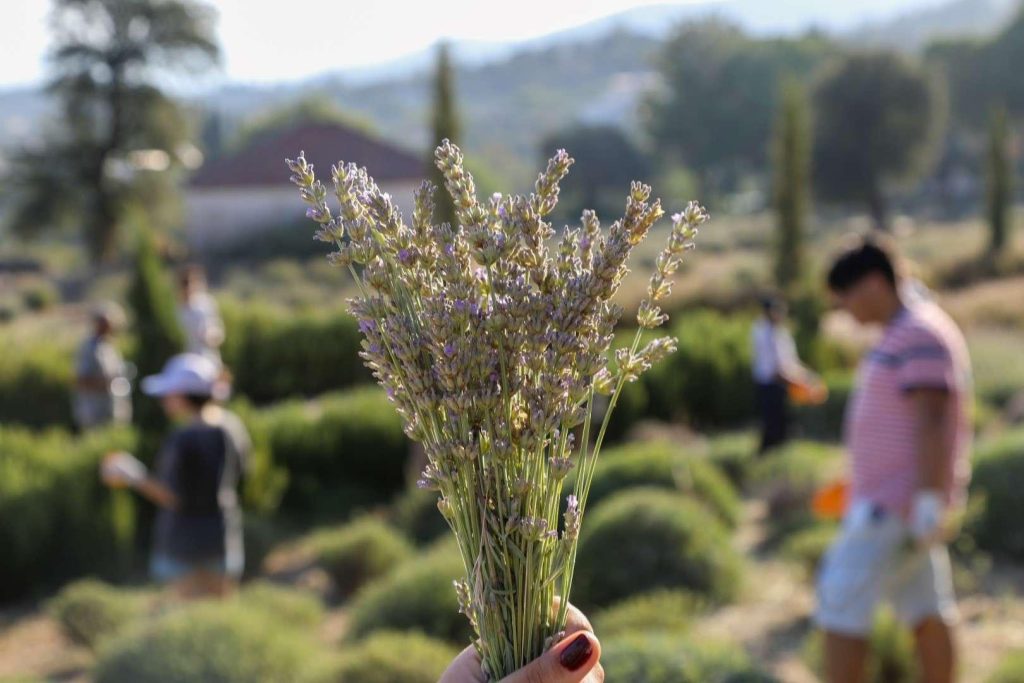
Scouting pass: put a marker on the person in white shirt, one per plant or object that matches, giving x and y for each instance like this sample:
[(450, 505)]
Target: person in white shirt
[(102, 389), (199, 315), (775, 365)]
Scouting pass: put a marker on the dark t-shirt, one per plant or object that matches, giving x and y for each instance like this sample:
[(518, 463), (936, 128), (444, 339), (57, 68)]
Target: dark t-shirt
[(202, 464)]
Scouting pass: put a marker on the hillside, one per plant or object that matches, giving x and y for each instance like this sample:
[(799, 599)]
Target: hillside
[(512, 95)]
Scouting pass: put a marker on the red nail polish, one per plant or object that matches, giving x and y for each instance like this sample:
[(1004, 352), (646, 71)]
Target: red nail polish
[(576, 653)]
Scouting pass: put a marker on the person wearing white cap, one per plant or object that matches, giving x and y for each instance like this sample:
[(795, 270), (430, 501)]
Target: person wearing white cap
[(197, 541)]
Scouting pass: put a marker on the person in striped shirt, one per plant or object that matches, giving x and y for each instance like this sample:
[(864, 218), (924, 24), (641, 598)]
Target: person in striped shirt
[(907, 434)]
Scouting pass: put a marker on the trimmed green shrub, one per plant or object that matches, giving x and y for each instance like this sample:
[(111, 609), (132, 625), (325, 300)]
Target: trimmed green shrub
[(415, 513), (358, 552), (213, 643), (341, 452), (286, 606), (998, 481), (707, 382), (275, 354), (666, 658), (735, 454), (40, 296), (891, 657), (90, 611), (391, 657), (664, 610), (788, 478), (57, 520), (662, 465), (647, 538), (35, 385), (418, 596), (1011, 670), (807, 547)]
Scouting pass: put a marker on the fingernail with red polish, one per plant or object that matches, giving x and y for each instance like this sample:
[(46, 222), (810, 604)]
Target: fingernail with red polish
[(576, 653)]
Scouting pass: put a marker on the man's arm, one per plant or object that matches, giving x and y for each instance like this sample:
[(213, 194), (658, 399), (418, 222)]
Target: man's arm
[(928, 511), (931, 409)]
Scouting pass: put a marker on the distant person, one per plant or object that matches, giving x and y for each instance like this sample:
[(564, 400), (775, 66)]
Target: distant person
[(198, 315), (197, 541), (102, 391), (775, 365), (908, 433)]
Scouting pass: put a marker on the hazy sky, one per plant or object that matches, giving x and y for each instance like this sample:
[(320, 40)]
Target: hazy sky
[(273, 40)]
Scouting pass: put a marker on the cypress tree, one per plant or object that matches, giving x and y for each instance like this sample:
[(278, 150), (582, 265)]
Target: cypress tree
[(1000, 183), (791, 154), (157, 335), (446, 126)]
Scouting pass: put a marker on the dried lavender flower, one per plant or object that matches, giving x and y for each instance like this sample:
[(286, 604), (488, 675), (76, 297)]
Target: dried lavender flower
[(492, 350)]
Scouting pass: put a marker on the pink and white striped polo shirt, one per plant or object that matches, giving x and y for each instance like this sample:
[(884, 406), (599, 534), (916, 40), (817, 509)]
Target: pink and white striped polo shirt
[(921, 348)]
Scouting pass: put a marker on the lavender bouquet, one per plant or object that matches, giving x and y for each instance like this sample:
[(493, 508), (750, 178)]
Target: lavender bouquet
[(492, 341)]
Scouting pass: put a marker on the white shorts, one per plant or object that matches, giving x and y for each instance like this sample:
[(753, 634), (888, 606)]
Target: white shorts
[(874, 560)]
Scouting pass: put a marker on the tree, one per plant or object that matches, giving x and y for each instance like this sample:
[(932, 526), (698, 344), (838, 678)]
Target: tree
[(1000, 183), (716, 110), (879, 119), (446, 127), (157, 334), (606, 162), (983, 74), (791, 152), (116, 126)]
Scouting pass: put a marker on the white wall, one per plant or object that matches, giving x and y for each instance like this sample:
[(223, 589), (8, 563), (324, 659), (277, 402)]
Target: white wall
[(214, 217)]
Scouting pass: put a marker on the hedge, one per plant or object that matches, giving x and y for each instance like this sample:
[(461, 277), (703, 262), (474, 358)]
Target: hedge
[(707, 381), (391, 657), (209, 642), (667, 658), (35, 385), (998, 481), (358, 552), (274, 354), (341, 452), (663, 465), (90, 611), (417, 596), (57, 520), (646, 538)]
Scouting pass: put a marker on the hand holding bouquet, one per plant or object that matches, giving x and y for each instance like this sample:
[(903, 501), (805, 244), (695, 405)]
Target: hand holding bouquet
[(492, 339)]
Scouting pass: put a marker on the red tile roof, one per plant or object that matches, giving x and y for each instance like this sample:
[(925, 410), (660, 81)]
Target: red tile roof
[(261, 163)]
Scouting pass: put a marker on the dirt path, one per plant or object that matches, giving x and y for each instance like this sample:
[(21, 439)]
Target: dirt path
[(773, 618), (31, 644)]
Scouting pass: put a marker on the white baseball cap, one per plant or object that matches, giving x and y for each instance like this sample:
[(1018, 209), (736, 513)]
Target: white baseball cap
[(187, 373)]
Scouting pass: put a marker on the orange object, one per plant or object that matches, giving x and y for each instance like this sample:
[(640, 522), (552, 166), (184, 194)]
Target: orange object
[(807, 393), (830, 502)]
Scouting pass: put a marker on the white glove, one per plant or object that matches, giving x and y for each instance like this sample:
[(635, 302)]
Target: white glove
[(122, 468), (927, 517)]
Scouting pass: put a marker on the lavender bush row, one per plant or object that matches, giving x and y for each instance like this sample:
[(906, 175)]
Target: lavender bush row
[(492, 339)]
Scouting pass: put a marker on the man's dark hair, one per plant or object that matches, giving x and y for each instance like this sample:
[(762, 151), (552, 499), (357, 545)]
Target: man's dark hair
[(771, 303), (868, 256)]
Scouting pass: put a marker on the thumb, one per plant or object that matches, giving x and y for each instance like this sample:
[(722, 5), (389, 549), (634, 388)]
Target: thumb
[(567, 662)]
